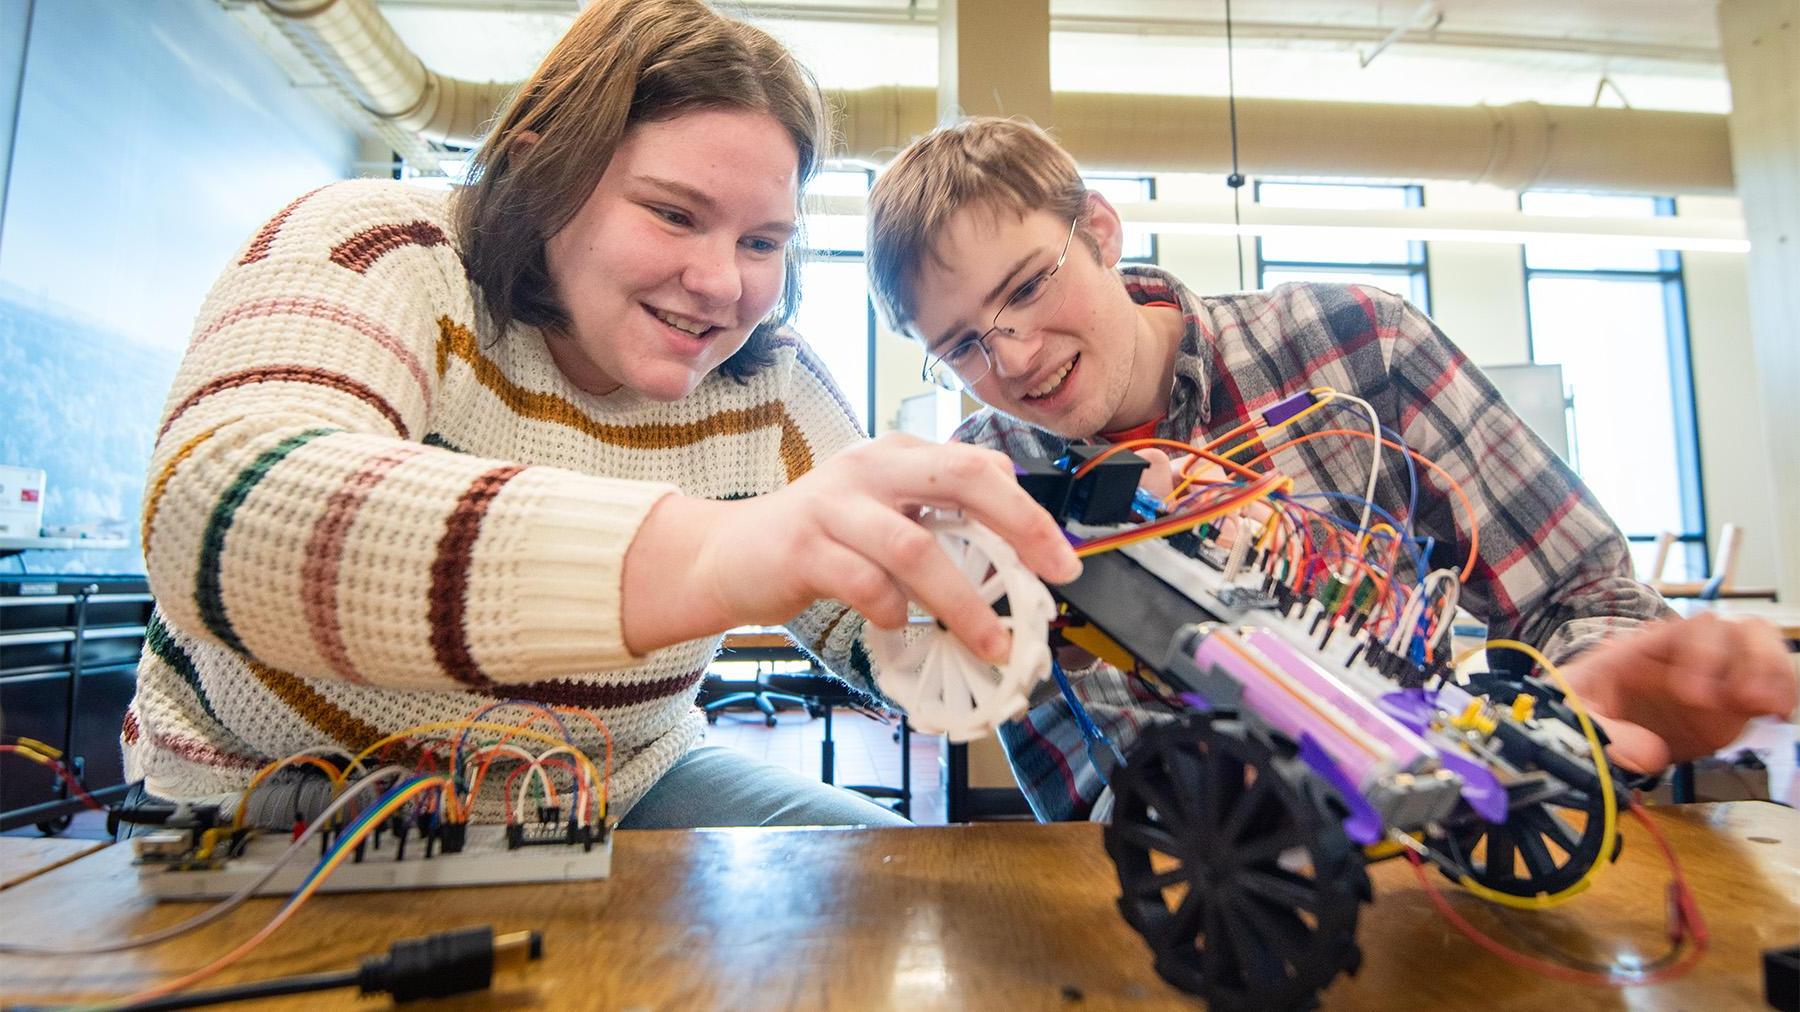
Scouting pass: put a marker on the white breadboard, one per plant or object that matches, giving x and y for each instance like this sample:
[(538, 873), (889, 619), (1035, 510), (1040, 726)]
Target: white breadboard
[(484, 860)]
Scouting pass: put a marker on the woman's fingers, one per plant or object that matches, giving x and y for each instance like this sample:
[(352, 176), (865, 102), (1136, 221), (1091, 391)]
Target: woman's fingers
[(983, 486), (908, 555), (860, 583)]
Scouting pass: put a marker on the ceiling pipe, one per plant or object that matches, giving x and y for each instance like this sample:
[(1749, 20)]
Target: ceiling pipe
[(358, 45), (1514, 146)]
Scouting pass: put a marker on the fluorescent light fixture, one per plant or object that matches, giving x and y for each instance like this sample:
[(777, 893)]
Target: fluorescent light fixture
[(1700, 235)]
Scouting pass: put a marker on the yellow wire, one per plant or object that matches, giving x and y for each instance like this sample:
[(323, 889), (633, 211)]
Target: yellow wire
[(1324, 395), (1362, 542), (1609, 805), (513, 730)]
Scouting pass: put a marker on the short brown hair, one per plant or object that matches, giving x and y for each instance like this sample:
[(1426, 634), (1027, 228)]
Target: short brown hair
[(622, 62), (1004, 164)]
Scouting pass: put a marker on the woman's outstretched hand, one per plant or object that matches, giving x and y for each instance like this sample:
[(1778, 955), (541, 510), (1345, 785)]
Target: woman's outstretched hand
[(846, 531)]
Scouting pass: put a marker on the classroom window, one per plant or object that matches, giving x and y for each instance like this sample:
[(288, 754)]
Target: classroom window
[(1614, 316), (1140, 243), (1394, 265), (836, 317)]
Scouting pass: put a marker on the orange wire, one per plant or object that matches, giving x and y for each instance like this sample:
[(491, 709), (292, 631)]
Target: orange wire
[(269, 770), (606, 760), (1248, 424), (1199, 454), (1192, 518), (1455, 486)]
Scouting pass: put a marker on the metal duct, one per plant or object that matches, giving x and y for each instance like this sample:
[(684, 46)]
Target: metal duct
[(1513, 146), (359, 46)]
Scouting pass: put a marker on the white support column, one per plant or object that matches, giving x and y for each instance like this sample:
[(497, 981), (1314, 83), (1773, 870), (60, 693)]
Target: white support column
[(1761, 43), (994, 59)]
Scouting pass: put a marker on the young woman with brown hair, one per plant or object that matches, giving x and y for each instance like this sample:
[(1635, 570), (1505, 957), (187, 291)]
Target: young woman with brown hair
[(543, 440)]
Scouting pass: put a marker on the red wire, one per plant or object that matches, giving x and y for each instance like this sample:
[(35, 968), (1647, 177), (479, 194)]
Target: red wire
[(1688, 925), (61, 771)]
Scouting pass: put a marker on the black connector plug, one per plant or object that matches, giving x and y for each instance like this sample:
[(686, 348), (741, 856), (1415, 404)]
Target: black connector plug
[(436, 966), (447, 963)]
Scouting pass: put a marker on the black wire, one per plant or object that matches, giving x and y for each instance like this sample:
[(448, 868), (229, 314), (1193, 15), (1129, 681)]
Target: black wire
[(244, 992), (1236, 179)]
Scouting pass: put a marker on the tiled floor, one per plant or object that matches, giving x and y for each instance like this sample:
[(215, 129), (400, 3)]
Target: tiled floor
[(866, 752)]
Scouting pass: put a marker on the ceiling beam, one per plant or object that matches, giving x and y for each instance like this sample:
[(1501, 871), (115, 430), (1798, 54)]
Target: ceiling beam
[(1346, 36)]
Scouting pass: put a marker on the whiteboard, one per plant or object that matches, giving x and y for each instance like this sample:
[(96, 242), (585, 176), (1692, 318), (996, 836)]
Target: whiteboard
[(1536, 394)]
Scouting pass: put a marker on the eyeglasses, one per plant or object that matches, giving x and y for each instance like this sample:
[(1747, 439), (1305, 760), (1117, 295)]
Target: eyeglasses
[(967, 362)]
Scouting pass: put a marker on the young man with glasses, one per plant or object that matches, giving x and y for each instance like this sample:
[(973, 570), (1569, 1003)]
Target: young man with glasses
[(985, 245)]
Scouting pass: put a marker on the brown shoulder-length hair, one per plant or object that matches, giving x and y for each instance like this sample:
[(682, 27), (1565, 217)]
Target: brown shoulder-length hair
[(622, 62)]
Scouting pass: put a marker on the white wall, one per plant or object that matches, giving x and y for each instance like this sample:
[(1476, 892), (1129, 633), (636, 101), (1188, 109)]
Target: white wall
[(1734, 447), (1478, 289)]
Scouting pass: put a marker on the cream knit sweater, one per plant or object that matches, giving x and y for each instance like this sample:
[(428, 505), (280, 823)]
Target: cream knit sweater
[(366, 512)]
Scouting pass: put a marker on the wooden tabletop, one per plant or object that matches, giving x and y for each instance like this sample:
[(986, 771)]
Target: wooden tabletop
[(983, 916), (26, 857), (1785, 617)]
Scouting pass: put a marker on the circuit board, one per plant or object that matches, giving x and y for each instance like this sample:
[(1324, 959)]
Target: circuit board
[(485, 859)]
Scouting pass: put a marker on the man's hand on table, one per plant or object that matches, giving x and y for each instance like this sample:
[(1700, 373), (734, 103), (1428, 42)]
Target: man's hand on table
[(1679, 689)]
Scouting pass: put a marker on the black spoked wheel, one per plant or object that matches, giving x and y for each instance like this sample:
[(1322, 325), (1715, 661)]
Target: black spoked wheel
[(1544, 847), (1234, 867)]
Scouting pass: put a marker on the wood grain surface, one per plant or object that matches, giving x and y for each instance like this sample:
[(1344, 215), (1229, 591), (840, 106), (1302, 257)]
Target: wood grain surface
[(26, 857), (983, 916)]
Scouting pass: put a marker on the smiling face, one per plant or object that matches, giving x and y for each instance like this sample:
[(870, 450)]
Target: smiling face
[(1079, 368), (677, 255)]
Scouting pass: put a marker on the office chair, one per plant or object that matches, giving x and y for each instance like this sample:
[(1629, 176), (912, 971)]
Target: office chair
[(757, 693)]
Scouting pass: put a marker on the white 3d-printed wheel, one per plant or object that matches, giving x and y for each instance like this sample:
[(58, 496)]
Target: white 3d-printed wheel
[(943, 687)]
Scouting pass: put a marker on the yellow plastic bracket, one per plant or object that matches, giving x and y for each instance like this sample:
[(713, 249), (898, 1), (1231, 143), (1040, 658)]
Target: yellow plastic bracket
[(1474, 719), (1095, 642), (1523, 706)]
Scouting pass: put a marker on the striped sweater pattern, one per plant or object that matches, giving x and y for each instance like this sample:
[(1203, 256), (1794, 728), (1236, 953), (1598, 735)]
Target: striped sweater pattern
[(365, 511)]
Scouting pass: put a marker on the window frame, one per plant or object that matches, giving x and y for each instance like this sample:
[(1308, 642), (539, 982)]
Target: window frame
[(1679, 347), (1416, 270), (1149, 184), (812, 254)]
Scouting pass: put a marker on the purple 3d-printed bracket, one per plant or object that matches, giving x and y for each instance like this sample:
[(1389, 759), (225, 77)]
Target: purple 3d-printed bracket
[(1363, 824)]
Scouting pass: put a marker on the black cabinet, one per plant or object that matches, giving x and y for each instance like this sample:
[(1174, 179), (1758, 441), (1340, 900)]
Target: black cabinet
[(68, 668)]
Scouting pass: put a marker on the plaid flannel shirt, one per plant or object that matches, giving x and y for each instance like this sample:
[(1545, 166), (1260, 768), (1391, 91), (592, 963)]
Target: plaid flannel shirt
[(1552, 569)]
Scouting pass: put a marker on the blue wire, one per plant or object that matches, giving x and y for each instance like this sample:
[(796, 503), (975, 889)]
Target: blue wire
[(1412, 478), (456, 753), (362, 819), (1408, 543), (1089, 730)]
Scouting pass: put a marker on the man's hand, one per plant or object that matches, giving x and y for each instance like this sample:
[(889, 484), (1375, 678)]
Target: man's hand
[(1676, 690), (1165, 472), (846, 530)]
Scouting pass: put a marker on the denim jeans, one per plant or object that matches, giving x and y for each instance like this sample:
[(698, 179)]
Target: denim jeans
[(717, 786), (710, 786)]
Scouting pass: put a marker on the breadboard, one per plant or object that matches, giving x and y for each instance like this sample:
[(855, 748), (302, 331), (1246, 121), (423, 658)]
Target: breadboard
[(484, 860)]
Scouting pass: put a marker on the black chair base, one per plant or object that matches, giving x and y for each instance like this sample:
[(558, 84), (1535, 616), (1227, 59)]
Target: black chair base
[(823, 693), (762, 699)]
